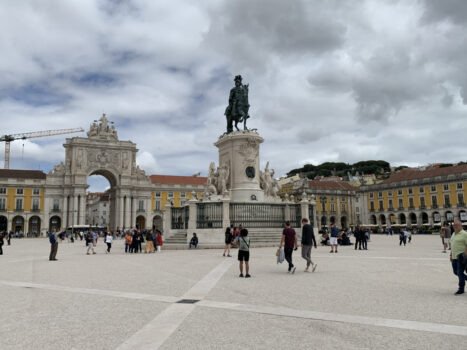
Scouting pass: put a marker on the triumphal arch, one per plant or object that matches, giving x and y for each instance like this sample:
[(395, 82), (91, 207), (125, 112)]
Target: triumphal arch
[(101, 153)]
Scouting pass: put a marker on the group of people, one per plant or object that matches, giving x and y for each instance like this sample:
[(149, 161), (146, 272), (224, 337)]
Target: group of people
[(290, 244), (134, 241), (405, 235), (238, 237)]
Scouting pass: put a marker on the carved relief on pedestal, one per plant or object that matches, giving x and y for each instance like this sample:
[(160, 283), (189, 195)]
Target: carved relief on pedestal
[(249, 151)]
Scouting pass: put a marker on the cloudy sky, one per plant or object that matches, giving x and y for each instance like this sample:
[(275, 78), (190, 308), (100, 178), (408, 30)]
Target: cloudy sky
[(329, 80)]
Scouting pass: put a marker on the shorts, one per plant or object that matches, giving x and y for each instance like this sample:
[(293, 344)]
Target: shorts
[(333, 240), (243, 255)]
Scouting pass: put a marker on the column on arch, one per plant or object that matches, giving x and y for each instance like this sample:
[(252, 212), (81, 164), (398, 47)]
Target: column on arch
[(127, 212), (121, 212), (75, 210), (133, 211), (82, 210), (64, 222)]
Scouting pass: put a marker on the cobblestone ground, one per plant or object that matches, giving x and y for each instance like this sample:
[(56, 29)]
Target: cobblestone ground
[(388, 297)]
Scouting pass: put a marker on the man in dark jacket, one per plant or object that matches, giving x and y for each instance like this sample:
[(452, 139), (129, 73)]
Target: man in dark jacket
[(358, 237), (308, 239)]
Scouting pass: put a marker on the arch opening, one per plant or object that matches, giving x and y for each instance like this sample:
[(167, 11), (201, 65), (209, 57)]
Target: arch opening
[(100, 199)]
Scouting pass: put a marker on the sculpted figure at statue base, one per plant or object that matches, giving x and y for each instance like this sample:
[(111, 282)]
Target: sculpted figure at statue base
[(218, 181), (268, 183)]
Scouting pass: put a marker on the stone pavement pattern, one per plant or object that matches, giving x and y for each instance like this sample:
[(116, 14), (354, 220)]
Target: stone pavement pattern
[(386, 297)]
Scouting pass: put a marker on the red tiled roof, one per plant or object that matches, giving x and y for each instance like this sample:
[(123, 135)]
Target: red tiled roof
[(331, 185), (22, 174), (178, 180), (413, 174)]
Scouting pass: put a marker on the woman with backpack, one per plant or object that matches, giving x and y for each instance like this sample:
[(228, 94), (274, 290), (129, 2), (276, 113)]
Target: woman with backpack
[(244, 252), (228, 241)]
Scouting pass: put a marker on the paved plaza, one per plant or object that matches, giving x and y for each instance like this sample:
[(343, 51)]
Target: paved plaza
[(388, 297)]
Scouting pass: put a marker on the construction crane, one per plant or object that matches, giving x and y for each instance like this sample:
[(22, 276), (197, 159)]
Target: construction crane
[(30, 135)]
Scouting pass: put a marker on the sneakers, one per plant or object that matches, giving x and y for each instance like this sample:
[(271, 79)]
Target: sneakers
[(459, 292), (293, 270), (444, 251), (247, 275), (229, 255), (314, 267), (332, 251), (241, 275)]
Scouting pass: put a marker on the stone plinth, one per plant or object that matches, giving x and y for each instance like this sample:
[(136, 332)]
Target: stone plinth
[(239, 150)]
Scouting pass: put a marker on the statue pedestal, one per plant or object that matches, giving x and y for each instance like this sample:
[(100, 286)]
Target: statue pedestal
[(240, 151)]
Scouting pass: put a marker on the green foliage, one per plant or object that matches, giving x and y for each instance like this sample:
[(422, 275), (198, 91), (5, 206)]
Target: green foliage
[(341, 169), (445, 165), (401, 167)]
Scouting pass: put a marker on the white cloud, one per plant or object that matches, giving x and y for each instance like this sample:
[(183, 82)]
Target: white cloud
[(375, 79), (147, 162)]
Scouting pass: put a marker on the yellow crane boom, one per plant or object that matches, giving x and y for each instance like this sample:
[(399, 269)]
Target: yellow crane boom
[(30, 135)]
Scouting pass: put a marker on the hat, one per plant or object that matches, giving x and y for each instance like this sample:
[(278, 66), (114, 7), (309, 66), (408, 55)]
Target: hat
[(238, 77)]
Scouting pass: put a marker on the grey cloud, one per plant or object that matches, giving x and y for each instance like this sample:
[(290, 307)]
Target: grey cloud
[(250, 31), (453, 10)]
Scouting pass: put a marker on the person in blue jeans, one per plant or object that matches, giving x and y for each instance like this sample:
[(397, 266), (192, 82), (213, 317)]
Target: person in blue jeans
[(459, 248)]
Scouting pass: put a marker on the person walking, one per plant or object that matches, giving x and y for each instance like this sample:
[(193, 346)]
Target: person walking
[(244, 252), (403, 237), (1, 243), (53, 246), (228, 241), (108, 241), (365, 238), (358, 233), (445, 234), (90, 242), (289, 241), (8, 237), (458, 255), (334, 235), (308, 240)]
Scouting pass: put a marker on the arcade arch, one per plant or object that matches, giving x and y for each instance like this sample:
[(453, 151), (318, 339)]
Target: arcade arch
[(413, 218), (17, 224), (140, 222), (157, 223), (343, 222), (34, 225), (402, 219), (382, 220), (55, 224)]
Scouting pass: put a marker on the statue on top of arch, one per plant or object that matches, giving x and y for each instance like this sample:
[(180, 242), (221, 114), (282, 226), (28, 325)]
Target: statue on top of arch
[(101, 129)]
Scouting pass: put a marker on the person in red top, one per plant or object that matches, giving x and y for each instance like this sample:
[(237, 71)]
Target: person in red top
[(159, 241), (289, 240)]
